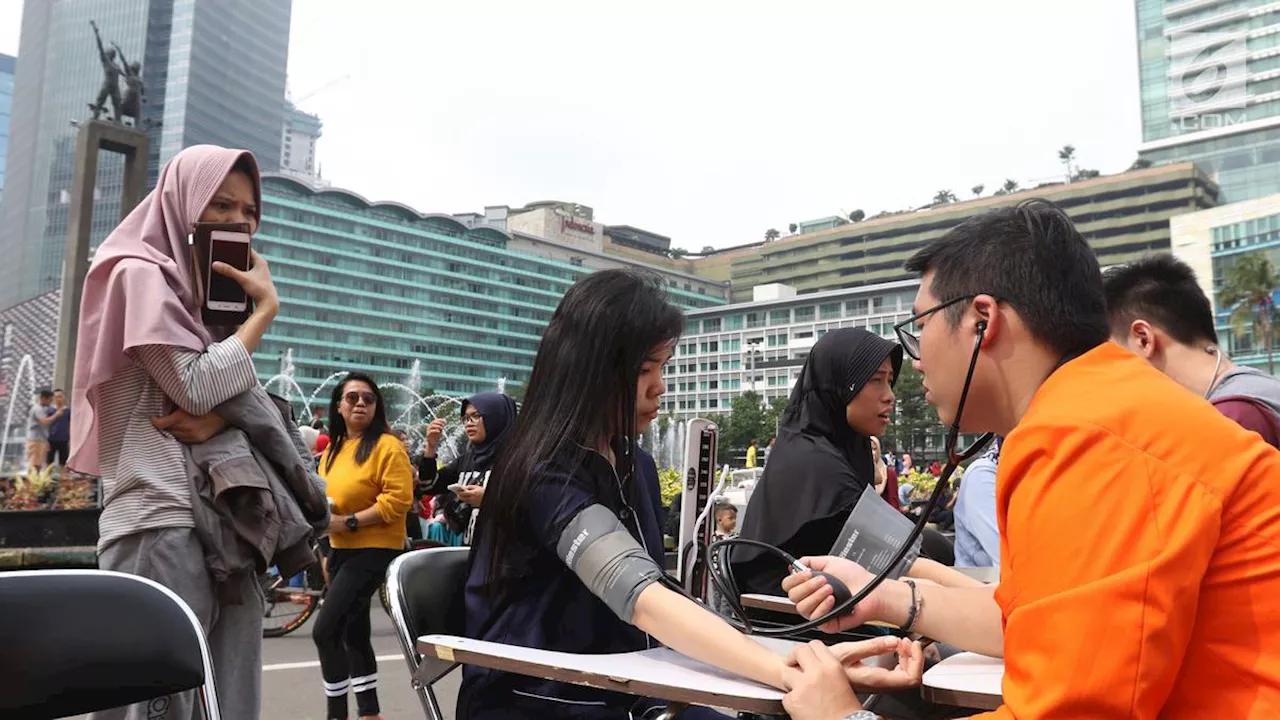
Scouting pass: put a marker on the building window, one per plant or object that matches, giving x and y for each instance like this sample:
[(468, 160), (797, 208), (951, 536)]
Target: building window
[(711, 325), (857, 307), (829, 311), (780, 317), (804, 314), (733, 322), (755, 320)]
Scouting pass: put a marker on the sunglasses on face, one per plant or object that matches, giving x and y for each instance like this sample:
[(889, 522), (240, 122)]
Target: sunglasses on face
[(354, 397)]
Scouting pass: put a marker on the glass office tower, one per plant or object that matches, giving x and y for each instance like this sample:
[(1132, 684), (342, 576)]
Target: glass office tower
[(1210, 81), (200, 87)]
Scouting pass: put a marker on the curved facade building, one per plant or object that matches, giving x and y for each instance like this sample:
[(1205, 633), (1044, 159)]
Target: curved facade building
[(376, 286)]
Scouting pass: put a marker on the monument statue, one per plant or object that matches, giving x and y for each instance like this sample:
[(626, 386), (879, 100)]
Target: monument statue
[(135, 91), (110, 80)]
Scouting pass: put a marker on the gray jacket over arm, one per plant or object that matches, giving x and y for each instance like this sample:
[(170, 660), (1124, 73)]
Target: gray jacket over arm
[(256, 497)]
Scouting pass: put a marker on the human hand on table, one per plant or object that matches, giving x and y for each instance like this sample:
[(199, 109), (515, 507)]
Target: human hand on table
[(813, 595), (817, 688), (906, 673), (190, 429)]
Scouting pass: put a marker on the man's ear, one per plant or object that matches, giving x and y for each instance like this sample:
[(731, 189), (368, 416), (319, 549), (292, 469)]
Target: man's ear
[(1143, 339), (989, 315)]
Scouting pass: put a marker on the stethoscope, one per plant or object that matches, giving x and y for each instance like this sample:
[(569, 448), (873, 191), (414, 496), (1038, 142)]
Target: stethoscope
[(717, 553)]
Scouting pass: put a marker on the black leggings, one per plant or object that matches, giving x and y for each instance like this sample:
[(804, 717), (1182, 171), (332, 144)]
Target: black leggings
[(342, 630)]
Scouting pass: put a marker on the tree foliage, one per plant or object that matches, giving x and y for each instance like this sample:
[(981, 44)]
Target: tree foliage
[(1249, 292)]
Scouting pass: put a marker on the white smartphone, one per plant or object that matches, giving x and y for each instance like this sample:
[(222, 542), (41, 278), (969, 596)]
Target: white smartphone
[(231, 248), (457, 487)]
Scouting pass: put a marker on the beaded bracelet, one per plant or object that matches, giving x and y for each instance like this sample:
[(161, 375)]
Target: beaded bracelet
[(917, 602)]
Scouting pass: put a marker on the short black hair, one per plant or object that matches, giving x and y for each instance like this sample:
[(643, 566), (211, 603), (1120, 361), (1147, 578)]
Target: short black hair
[(45, 393), (1162, 290), (1032, 257)]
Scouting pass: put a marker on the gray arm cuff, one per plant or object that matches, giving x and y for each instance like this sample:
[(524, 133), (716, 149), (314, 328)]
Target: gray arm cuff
[(613, 566)]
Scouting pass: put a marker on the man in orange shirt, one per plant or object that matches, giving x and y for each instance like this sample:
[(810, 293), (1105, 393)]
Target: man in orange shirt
[(1140, 529)]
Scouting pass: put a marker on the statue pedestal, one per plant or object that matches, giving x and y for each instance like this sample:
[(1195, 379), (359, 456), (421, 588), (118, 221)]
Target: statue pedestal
[(94, 137)]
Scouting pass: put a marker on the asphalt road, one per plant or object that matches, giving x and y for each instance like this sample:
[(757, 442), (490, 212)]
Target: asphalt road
[(291, 688)]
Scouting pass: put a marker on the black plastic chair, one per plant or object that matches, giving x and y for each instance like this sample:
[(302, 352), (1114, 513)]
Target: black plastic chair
[(425, 588), (76, 641)]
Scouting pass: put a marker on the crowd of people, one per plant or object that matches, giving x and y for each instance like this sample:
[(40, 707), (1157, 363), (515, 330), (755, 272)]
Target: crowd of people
[(1134, 523)]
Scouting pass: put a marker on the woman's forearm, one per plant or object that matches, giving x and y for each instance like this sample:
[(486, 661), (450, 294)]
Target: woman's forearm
[(690, 629), (251, 332)]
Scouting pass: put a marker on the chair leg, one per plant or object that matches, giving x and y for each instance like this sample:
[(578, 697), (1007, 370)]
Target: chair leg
[(427, 697), (209, 702)]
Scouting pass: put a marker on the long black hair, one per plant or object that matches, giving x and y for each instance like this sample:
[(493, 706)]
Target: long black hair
[(581, 393), (338, 424)]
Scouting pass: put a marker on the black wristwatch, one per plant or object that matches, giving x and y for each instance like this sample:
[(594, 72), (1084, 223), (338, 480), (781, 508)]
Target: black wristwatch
[(352, 523)]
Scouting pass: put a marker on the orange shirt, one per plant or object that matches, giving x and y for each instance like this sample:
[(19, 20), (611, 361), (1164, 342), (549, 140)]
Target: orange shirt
[(1140, 552)]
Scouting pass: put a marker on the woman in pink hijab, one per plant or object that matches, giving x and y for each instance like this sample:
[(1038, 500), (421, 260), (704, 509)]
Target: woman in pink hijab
[(148, 374)]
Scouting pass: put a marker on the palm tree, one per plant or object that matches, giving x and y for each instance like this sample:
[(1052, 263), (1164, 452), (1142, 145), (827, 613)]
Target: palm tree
[(1009, 187), (771, 234), (944, 197), (977, 190), (856, 216), (1066, 155), (793, 227), (1249, 290)]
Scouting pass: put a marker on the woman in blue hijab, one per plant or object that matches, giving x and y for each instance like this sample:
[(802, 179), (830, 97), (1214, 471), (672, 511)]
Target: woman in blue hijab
[(487, 418)]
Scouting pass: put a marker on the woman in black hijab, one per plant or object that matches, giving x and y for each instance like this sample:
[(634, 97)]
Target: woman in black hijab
[(487, 419), (823, 460)]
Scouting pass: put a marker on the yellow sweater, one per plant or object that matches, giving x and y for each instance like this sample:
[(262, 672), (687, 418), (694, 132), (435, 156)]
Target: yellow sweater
[(384, 480)]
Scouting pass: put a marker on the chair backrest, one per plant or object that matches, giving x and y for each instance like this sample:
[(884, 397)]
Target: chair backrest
[(75, 641), (426, 585)]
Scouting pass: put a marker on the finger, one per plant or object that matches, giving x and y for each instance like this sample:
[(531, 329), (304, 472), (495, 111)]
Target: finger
[(166, 422), (224, 269), (806, 588), (826, 660), (805, 658), (815, 563), (256, 260), (795, 579), (818, 604), (913, 662), (862, 649), (791, 677)]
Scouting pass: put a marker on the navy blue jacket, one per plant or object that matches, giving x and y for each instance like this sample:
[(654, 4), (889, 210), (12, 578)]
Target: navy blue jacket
[(544, 604)]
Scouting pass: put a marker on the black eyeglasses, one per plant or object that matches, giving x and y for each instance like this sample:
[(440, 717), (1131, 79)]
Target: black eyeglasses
[(354, 397), (472, 419), (909, 340)]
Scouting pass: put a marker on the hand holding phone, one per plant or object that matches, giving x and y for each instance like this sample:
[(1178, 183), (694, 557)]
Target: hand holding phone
[(227, 249), (456, 487), (255, 282)]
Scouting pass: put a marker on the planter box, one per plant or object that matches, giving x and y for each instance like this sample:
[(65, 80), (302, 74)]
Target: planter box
[(49, 528)]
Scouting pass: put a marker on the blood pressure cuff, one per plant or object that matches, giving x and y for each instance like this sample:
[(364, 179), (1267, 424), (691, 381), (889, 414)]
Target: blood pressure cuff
[(607, 559)]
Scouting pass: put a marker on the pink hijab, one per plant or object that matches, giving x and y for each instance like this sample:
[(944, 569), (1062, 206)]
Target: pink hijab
[(139, 290)]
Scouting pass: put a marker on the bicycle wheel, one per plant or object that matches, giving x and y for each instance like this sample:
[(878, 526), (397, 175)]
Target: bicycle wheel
[(285, 608)]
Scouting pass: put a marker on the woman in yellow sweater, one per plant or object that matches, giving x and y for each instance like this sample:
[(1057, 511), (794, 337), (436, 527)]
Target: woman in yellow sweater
[(370, 486)]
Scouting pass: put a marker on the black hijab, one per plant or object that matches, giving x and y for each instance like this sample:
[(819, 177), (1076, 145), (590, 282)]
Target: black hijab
[(499, 413), (820, 466)]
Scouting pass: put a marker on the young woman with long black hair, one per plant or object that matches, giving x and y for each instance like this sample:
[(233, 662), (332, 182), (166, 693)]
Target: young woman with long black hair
[(370, 487), (568, 551)]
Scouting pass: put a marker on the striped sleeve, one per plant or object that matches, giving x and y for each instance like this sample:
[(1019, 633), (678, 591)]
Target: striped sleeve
[(198, 382)]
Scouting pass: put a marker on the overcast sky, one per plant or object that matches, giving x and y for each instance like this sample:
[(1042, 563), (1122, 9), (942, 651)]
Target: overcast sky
[(705, 120)]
